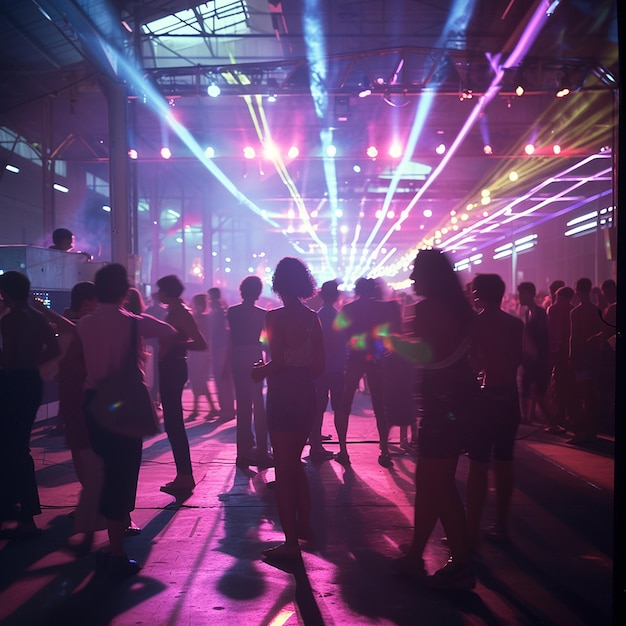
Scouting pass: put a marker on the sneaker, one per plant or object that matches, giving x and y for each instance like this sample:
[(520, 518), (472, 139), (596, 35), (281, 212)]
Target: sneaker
[(179, 487), (385, 460), (454, 576), (123, 567), (264, 461), (410, 567), (320, 454), (343, 458)]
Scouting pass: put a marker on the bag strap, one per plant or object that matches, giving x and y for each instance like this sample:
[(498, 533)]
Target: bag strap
[(132, 348)]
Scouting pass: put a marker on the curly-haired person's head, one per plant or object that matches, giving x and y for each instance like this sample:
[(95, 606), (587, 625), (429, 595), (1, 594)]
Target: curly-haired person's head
[(293, 278)]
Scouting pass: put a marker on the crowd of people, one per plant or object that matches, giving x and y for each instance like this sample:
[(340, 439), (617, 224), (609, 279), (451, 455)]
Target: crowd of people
[(477, 367)]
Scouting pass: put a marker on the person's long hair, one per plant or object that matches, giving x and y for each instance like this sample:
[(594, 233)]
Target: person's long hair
[(437, 279)]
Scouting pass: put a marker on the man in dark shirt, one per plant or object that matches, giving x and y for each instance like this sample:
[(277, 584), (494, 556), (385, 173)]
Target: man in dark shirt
[(330, 383), (247, 323)]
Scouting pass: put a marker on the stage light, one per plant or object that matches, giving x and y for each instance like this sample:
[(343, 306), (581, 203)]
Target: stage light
[(293, 152), (166, 153), (331, 150), (356, 168), (395, 152), (272, 97), (529, 148), (561, 93), (372, 152), (513, 176), (364, 93), (213, 90), (61, 188), (12, 168), (209, 153), (248, 152), (519, 90), (132, 153), (106, 208), (487, 149), (556, 148), (270, 151), (427, 213), (441, 148)]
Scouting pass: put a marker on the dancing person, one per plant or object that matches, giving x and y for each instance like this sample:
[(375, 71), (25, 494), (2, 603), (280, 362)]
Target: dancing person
[(104, 336), (563, 394), (297, 348), (219, 341), (199, 361), (173, 375), (440, 348), (586, 322), (495, 355), (535, 369), (330, 383), (28, 342), (365, 322), (247, 324)]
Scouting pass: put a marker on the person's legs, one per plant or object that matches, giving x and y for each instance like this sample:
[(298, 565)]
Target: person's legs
[(292, 490), (173, 375), (477, 482), (243, 397), (375, 384), (504, 480), (352, 377), (260, 418), (25, 396)]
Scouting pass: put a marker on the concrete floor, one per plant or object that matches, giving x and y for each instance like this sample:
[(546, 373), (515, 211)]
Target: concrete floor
[(201, 561)]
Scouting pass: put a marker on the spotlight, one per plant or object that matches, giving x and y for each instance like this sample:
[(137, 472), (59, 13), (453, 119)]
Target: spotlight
[(372, 152), (395, 152), (487, 149), (529, 148), (209, 153), (441, 148), (213, 90), (556, 148), (519, 90), (364, 93), (331, 150), (132, 154), (272, 97), (166, 153), (293, 152), (561, 93), (248, 152)]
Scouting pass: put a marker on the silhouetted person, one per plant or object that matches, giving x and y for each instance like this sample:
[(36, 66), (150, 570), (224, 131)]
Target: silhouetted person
[(105, 336), (220, 347), (156, 309), (297, 349), (172, 378), (535, 371), (365, 323), (496, 354), (134, 301), (199, 361), (562, 374), (247, 324), (585, 323), (442, 333), (330, 383), (62, 239), (609, 290), (28, 342)]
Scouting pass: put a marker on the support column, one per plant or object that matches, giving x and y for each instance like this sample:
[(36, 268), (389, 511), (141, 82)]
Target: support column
[(47, 170), (119, 176)]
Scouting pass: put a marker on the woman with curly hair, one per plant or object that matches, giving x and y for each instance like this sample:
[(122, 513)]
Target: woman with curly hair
[(297, 348)]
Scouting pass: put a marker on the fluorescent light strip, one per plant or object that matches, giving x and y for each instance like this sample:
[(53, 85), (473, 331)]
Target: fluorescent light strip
[(503, 254), (60, 188), (580, 229), (523, 240), (506, 246), (12, 168), (582, 218)]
